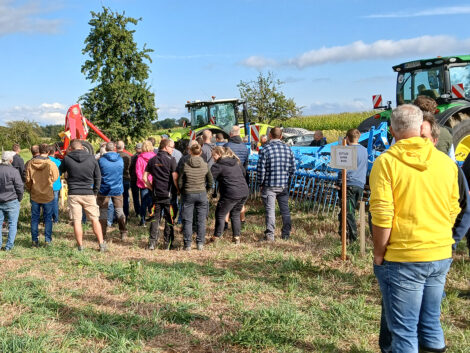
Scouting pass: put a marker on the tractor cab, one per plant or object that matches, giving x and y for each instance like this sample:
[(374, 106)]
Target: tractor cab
[(443, 79), (217, 115), (447, 81)]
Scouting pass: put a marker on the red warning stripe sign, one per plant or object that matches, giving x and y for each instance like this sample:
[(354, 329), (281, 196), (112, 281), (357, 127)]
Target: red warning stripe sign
[(458, 91), (377, 101), (185, 123), (255, 132), (192, 135), (212, 120)]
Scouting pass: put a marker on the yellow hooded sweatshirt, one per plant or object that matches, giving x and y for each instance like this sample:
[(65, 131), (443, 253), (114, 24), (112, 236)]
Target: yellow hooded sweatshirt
[(415, 192)]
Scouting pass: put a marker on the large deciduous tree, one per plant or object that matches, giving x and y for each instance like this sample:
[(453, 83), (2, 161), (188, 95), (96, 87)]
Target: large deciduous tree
[(121, 103), (265, 101)]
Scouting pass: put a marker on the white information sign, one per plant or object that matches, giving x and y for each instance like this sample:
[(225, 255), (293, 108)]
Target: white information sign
[(343, 157)]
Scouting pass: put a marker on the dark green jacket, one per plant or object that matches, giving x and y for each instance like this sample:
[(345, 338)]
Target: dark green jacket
[(195, 176)]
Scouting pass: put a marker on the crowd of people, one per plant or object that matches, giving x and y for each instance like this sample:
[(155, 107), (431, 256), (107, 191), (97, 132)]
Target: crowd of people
[(419, 204), (163, 182)]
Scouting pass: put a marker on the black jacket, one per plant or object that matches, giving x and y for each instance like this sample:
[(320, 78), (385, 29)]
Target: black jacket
[(83, 173), (11, 185), (132, 174), (231, 177), (18, 164)]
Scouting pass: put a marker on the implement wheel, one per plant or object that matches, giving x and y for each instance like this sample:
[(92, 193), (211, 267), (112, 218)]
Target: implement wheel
[(88, 147)]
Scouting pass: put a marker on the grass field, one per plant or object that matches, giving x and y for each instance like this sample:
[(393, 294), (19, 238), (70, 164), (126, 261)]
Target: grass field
[(289, 296)]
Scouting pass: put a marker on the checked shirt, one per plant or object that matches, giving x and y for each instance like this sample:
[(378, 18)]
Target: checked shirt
[(276, 164)]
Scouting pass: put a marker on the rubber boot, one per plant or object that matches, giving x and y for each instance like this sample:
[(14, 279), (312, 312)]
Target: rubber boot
[(104, 228), (122, 227)]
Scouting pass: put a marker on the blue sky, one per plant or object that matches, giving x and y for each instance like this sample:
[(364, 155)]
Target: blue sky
[(333, 55)]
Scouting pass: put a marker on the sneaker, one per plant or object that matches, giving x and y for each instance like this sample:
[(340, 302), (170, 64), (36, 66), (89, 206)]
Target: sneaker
[(142, 222), (200, 246), (187, 248), (236, 240), (79, 247), (285, 237), (48, 244), (35, 244), (151, 246), (123, 235), (103, 247), (267, 239)]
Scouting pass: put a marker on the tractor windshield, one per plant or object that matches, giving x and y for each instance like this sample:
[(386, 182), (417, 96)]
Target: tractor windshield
[(223, 115), (424, 82), (460, 75), (199, 117)]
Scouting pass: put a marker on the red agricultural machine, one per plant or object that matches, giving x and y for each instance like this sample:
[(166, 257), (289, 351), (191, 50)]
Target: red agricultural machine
[(76, 127)]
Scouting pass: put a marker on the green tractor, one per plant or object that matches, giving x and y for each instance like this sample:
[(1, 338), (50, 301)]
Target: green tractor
[(220, 116), (445, 79)]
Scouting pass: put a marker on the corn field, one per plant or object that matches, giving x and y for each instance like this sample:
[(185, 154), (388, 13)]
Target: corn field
[(341, 121)]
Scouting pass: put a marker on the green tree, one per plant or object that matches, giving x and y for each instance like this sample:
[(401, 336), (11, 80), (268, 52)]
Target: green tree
[(26, 133), (121, 103), (180, 121), (165, 124), (265, 101)]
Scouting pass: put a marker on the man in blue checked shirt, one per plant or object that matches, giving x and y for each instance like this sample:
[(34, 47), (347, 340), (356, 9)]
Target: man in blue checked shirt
[(276, 164)]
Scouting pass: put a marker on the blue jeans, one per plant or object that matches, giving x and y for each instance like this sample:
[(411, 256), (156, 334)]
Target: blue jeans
[(146, 199), (55, 210), (412, 294), (125, 195), (35, 219), (11, 210), (110, 212)]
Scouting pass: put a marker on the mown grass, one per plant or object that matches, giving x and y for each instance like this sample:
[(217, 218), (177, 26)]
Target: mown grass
[(289, 296)]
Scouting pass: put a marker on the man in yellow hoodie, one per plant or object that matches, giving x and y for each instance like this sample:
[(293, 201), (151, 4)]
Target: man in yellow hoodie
[(41, 173), (414, 202)]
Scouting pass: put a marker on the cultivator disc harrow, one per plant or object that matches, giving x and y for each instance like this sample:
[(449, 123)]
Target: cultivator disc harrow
[(314, 185)]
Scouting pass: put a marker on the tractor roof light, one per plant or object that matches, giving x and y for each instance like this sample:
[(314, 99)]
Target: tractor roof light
[(452, 60), (377, 116)]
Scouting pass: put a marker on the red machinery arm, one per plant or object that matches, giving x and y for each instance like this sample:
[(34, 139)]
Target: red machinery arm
[(100, 134)]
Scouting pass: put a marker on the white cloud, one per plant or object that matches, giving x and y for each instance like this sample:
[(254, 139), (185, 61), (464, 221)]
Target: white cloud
[(360, 51), (437, 11), (171, 111), (44, 114), (355, 105), (18, 17), (258, 62)]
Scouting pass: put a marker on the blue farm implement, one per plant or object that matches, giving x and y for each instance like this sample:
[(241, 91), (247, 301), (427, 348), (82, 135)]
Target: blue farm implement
[(313, 187)]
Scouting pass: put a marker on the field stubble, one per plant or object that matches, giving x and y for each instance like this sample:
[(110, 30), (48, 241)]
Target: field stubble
[(289, 296)]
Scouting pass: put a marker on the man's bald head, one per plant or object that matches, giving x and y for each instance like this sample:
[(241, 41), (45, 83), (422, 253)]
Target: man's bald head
[(207, 136), (235, 131)]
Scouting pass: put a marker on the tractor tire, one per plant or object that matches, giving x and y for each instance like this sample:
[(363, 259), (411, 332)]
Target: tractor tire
[(461, 139), (368, 123), (88, 147)]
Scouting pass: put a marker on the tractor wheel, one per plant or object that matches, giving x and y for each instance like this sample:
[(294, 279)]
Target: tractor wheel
[(88, 147), (461, 134), (368, 123)]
